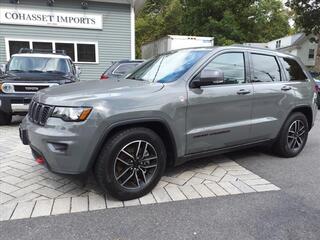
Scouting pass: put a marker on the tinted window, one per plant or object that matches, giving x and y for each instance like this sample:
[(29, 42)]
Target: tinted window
[(42, 46), (293, 70), (232, 65), (265, 68), (86, 52), (124, 68), (169, 67), (15, 46), (67, 47)]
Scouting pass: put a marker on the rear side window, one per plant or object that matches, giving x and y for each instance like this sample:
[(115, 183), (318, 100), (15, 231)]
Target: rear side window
[(124, 68), (265, 68), (293, 70)]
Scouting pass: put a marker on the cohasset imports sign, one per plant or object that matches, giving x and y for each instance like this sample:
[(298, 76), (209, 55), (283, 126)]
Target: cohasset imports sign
[(50, 18)]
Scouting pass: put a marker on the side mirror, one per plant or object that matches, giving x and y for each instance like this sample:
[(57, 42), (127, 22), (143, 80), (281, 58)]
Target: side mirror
[(207, 78), (2, 68), (78, 71)]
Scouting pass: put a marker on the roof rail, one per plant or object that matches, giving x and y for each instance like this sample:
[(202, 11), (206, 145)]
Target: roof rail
[(29, 50)]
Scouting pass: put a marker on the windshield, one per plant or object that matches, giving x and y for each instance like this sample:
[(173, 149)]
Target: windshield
[(169, 67), (39, 64)]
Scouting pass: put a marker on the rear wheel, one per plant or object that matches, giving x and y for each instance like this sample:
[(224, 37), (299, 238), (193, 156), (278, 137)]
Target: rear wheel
[(5, 118), (131, 163), (293, 136)]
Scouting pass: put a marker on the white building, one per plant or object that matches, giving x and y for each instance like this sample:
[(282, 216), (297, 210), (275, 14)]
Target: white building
[(299, 45)]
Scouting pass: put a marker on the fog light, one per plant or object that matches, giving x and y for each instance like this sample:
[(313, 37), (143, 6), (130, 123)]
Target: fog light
[(58, 147)]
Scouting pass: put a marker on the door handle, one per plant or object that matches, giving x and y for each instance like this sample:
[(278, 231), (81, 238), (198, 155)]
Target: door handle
[(243, 92), (286, 88)]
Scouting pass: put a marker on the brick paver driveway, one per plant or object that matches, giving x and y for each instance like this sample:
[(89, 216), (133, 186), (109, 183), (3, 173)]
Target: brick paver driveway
[(27, 189)]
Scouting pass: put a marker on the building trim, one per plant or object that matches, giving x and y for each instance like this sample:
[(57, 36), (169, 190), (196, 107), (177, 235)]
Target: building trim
[(133, 34)]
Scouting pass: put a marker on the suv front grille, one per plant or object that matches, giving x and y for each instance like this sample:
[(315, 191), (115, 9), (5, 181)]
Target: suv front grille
[(39, 113), (29, 88)]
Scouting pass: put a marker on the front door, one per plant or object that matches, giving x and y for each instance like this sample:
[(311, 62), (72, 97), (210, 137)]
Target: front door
[(219, 115)]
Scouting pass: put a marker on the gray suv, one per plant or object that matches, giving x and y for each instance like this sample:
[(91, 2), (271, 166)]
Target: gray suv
[(178, 106)]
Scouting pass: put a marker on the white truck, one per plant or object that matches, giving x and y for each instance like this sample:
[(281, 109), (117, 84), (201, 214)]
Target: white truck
[(174, 42)]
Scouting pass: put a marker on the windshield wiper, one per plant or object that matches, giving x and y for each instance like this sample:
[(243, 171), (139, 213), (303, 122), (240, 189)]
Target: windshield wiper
[(55, 72), (35, 71), (15, 70), (138, 79)]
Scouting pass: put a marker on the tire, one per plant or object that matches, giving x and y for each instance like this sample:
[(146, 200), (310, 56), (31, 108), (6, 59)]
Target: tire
[(288, 144), (5, 119), (145, 168)]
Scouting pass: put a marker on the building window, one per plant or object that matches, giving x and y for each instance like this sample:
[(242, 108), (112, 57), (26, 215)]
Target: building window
[(81, 52), (45, 46), (311, 54), (86, 52), (15, 46), (278, 43), (68, 48)]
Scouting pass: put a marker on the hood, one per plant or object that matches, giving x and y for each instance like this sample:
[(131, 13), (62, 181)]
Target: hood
[(86, 92), (32, 77)]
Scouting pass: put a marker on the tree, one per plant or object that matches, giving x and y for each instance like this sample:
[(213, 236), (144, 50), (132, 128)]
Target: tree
[(307, 14), (307, 18), (229, 21)]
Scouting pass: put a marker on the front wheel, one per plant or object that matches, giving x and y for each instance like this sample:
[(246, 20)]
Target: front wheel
[(293, 136), (131, 163), (5, 118)]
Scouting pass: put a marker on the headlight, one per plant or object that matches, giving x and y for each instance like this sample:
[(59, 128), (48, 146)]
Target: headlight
[(71, 114), (7, 88)]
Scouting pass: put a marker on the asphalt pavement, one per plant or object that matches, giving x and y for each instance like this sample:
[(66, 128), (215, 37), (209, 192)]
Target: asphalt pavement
[(291, 213)]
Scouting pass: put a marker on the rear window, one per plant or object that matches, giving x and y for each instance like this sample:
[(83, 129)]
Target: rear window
[(293, 70), (124, 68), (265, 68)]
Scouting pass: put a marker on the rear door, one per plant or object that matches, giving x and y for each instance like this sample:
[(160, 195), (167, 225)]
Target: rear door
[(274, 97), (219, 115)]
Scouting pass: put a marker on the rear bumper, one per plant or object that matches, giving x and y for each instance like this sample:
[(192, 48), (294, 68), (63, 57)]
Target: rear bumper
[(15, 104)]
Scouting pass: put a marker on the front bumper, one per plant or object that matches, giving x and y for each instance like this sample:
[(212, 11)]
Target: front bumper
[(15, 104), (65, 147)]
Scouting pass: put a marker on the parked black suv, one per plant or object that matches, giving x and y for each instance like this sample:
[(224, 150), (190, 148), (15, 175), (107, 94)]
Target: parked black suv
[(26, 73)]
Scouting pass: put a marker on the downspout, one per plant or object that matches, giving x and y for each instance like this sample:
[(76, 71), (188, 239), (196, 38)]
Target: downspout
[(133, 30)]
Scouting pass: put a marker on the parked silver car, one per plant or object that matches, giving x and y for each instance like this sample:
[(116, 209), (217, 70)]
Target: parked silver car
[(178, 106)]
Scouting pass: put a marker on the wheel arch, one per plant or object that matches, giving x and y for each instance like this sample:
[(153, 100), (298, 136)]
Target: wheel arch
[(159, 126), (307, 111)]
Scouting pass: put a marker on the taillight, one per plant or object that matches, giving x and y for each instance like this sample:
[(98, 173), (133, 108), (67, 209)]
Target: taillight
[(104, 77), (317, 88)]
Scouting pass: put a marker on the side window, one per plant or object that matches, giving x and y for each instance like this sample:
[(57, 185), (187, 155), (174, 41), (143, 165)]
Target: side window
[(265, 68), (293, 70), (232, 65), (124, 68)]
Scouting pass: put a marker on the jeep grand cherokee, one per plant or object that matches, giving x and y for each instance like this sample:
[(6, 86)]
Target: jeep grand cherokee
[(181, 105)]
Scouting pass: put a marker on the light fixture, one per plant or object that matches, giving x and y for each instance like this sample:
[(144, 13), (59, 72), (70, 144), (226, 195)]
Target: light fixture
[(15, 1), (84, 5), (50, 3)]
